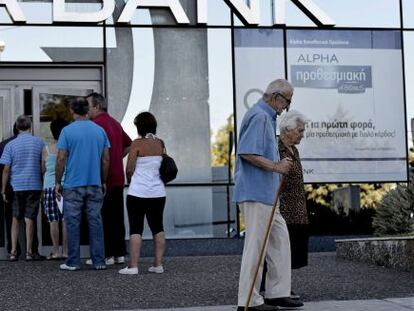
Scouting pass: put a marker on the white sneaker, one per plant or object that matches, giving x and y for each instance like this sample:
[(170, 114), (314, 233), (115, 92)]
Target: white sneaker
[(120, 259), (69, 268), (128, 270), (109, 261), (159, 269), (89, 262)]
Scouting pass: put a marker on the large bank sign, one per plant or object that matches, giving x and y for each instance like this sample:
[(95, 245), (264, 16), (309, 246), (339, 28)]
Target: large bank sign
[(249, 14)]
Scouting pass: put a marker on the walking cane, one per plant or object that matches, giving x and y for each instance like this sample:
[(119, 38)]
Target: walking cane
[(269, 227)]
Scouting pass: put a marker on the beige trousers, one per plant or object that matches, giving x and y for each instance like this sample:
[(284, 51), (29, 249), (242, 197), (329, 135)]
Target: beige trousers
[(278, 278)]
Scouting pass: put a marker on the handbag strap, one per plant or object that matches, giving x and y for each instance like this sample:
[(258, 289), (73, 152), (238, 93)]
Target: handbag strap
[(164, 150)]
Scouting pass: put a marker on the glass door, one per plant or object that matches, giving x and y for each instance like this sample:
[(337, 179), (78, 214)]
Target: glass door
[(50, 103)]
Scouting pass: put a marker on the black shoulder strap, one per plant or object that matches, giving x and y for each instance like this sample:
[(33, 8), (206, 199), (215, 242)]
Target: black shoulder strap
[(164, 150)]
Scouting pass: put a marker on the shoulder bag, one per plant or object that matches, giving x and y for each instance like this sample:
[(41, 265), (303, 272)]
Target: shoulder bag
[(168, 168)]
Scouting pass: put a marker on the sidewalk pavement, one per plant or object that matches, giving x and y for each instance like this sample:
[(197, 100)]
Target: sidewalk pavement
[(392, 304), (199, 283)]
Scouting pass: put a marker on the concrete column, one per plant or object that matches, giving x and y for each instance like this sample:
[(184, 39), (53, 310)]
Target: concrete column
[(120, 62), (180, 104)]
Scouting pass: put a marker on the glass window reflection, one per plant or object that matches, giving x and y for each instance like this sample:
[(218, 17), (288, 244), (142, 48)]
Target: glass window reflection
[(408, 13), (61, 44), (357, 13), (409, 79), (41, 13), (178, 74)]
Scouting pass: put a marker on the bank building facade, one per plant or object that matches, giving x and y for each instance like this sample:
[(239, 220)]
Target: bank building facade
[(199, 65)]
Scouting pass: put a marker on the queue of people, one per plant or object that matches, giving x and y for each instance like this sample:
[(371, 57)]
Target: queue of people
[(83, 167), (81, 171)]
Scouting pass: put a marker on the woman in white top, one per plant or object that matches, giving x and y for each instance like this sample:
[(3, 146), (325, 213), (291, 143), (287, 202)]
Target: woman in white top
[(146, 194)]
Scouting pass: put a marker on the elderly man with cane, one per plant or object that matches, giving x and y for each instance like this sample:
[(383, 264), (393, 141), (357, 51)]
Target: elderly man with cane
[(257, 177)]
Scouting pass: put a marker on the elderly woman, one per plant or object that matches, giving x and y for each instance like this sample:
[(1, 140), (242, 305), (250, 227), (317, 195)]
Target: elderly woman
[(292, 195)]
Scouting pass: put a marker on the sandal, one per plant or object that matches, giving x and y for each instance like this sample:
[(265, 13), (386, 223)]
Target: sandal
[(53, 256), (13, 257)]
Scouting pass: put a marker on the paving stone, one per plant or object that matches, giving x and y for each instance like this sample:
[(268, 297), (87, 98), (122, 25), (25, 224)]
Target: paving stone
[(402, 304)]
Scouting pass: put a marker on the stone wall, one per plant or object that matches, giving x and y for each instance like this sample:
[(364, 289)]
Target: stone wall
[(397, 252)]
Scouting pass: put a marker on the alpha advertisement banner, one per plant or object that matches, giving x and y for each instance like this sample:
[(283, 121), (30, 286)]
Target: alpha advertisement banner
[(349, 84)]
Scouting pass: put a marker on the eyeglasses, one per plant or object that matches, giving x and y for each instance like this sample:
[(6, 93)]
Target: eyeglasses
[(288, 101)]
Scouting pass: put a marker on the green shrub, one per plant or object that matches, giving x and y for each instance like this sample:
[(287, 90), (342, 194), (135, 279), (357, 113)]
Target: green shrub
[(395, 213)]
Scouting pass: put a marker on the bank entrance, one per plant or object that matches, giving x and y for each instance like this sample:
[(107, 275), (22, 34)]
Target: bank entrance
[(44, 94)]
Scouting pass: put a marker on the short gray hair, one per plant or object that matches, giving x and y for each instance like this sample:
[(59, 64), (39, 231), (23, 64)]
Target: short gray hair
[(98, 100), (278, 86), (23, 123), (291, 120)]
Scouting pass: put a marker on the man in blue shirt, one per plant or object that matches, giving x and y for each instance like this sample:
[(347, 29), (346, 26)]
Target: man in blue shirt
[(83, 150), (257, 177), (22, 163)]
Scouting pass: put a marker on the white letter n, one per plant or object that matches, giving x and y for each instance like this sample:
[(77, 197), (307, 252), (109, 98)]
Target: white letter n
[(248, 15)]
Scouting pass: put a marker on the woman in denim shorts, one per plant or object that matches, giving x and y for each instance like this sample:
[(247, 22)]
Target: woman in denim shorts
[(51, 209)]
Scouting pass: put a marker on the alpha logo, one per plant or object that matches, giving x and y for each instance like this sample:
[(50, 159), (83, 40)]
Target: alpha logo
[(344, 78), (248, 14)]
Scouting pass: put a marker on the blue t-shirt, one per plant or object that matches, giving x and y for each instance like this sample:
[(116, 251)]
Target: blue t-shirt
[(84, 142), (257, 137), (24, 155)]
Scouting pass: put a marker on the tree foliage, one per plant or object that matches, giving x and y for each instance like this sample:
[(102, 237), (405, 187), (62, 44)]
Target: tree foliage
[(395, 212), (220, 145), (371, 194), (57, 106)]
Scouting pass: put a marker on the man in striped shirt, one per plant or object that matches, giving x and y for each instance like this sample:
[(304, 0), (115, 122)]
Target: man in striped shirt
[(22, 163)]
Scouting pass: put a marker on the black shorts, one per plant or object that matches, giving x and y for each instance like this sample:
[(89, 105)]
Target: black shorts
[(151, 208), (26, 204)]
